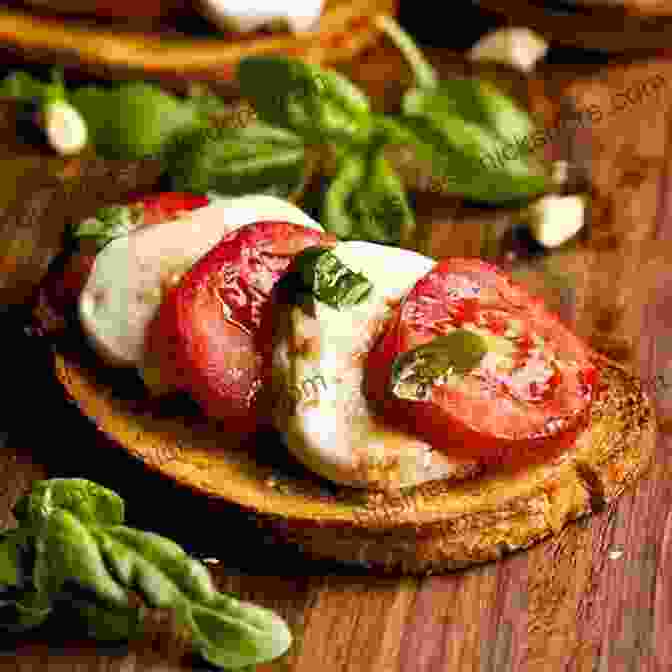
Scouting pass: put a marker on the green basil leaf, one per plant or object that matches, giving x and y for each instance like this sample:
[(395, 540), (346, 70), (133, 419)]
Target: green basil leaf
[(452, 354), (366, 201), (192, 576), (323, 274), (67, 550), (79, 541), (10, 559), (135, 120), (237, 161), (236, 634), (475, 101), (336, 214), (23, 86), (381, 205), (109, 222), (88, 501), (30, 610), (110, 623), (457, 151), (313, 102)]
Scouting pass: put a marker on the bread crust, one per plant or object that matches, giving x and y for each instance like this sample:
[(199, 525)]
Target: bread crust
[(434, 527), (346, 28)]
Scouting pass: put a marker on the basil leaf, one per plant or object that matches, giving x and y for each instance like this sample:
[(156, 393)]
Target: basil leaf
[(329, 279), (452, 354), (233, 634), (135, 120), (10, 559), (107, 623), (88, 501), (23, 86), (79, 541), (29, 610), (366, 201), (315, 103), (109, 222), (473, 100), (236, 161), (381, 207), (455, 150)]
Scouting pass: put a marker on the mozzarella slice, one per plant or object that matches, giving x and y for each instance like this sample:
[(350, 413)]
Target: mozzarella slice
[(124, 289), (319, 363), (243, 16)]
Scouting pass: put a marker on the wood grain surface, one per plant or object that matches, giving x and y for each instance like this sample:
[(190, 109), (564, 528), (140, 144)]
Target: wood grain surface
[(597, 598)]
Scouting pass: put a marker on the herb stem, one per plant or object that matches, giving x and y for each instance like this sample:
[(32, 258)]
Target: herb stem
[(425, 75)]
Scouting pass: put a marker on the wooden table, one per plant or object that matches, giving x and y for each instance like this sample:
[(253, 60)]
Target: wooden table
[(598, 598)]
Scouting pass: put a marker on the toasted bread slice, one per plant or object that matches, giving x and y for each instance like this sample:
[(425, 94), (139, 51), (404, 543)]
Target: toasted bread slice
[(346, 28), (439, 525)]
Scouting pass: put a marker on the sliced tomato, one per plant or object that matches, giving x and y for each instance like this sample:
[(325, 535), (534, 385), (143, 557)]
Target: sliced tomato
[(167, 205), (208, 329), (515, 408)]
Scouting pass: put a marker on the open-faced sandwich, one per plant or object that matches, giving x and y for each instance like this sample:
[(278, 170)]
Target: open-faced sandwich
[(366, 402)]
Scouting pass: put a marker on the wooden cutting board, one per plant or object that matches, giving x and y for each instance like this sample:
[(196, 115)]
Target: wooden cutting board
[(598, 597)]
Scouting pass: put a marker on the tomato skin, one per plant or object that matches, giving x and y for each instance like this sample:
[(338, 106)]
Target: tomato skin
[(211, 328), (166, 205), (492, 424)]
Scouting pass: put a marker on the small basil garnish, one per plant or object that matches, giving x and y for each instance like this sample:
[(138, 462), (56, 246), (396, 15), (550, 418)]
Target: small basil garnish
[(319, 271), (109, 222), (448, 356)]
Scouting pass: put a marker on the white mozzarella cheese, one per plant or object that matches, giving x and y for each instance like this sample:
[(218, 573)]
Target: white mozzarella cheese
[(321, 410), (124, 289), (244, 17)]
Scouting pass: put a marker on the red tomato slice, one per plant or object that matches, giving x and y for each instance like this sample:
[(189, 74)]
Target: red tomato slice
[(513, 408), (209, 327), (166, 205)]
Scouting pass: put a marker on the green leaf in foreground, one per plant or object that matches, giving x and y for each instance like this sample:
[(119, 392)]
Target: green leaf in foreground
[(109, 222), (85, 556), (237, 161), (323, 274), (452, 354)]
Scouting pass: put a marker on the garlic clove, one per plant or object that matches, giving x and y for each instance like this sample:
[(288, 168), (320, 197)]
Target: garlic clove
[(554, 219), (519, 48)]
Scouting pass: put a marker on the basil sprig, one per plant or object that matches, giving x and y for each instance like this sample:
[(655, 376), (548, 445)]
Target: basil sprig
[(447, 356), (72, 547), (462, 127), (234, 161), (109, 222), (319, 272)]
